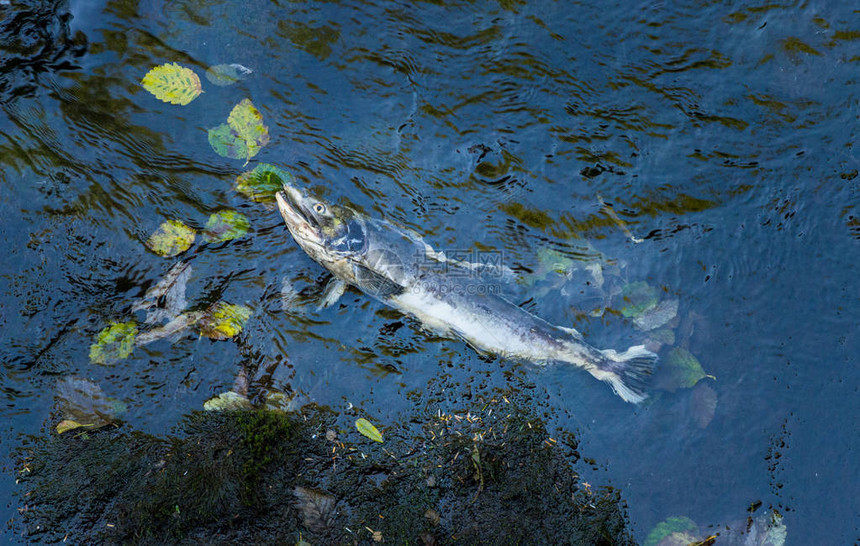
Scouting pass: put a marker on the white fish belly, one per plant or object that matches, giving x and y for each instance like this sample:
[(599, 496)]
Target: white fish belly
[(484, 331)]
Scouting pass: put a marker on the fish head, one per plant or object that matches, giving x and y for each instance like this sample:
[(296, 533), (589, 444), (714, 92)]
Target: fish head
[(328, 233)]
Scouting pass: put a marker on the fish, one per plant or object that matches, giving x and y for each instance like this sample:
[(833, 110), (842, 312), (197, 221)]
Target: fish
[(447, 296)]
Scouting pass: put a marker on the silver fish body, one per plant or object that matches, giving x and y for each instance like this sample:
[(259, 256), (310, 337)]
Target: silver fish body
[(449, 297)]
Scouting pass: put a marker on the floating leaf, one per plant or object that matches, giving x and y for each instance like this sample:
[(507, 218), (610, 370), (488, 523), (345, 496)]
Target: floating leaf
[(172, 83), (247, 122), (227, 143), (224, 320), (223, 75), (171, 239), (67, 424), (227, 401), (113, 343), (680, 370), (703, 404), (226, 225), (657, 316), (667, 527), (367, 429), (262, 183), (638, 297), (244, 134)]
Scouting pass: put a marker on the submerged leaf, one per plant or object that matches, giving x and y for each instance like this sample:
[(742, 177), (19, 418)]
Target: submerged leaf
[(227, 143), (174, 326), (316, 508), (637, 298), (171, 239), (83, 404), (223, 75), (669, 526), (680, 370), (703, 404), (166, 299), (226, 225), (367, 429), (113, 343), (227, 401), (262, 183), (224, 320), (657, 316), (173, 83)]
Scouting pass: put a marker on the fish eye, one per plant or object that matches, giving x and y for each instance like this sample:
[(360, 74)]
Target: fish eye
[(319, 208)]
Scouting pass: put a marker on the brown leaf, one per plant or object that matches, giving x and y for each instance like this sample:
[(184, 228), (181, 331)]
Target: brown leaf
[(703, 404), (316, 508)]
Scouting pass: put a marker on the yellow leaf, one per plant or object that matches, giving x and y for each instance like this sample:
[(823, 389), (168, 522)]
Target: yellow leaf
[(172, 83), (247, 123), (171, 238), (367, 429), (224, 320), (67, 424)]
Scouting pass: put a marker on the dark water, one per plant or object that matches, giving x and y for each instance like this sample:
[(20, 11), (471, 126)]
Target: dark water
[(724, 135)]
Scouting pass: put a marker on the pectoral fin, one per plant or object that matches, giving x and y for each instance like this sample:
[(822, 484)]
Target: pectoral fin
[(333, 291), (375, 284)]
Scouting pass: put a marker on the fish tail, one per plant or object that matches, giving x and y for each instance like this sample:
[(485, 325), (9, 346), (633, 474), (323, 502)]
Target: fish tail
[(628, 372)]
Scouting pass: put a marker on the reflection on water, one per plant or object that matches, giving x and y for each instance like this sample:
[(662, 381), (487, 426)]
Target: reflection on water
[(722, 137)]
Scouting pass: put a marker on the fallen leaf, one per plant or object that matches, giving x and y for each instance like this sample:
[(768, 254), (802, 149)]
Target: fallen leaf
[(227, 401), (377, 536), (679, 370), (174, 326), (703, 404), (367, 429), (223, 75), (637, 298), (677, 524), (172, 83), (316, 508), (262, 183), (227, 143), (67, 424), (243, 135), (224, 320), (83, 404), (657, 316), (226, 225), (171, 239), (113, 343), (166, 299)]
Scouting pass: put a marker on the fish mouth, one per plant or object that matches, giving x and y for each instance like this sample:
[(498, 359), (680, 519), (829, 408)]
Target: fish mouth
[(298, 220)]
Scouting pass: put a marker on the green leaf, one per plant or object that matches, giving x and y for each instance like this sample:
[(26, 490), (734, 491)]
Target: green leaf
[(224, 320), (223, 75), (680, 370), (227, 401), (113, 343), (367, 429), (638, 297), (247, 122), (172, 83), (227, 143), (262, 183), (678, 524), (171, 239), (226, 225)]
